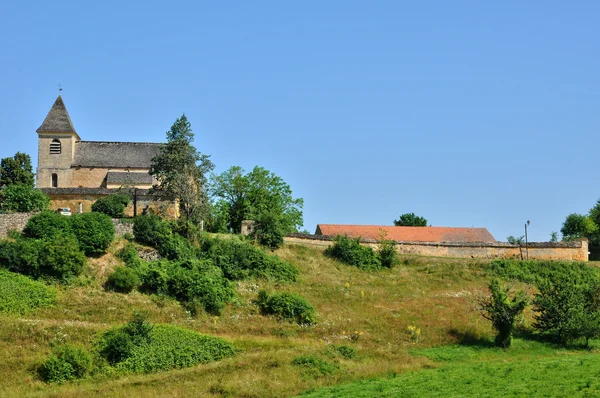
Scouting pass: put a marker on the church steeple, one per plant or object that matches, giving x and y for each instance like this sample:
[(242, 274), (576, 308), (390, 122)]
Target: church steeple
[(58, 120)]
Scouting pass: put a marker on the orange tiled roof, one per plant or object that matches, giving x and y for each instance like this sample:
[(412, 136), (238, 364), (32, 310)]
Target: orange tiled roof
[(408, 234)]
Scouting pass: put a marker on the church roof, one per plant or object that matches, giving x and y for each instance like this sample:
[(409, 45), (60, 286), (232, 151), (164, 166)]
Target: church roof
[(57, 120), (115, 154), (408, 234), (120, 177)]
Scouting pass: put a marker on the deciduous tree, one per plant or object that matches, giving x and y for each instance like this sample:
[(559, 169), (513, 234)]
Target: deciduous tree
[(16, 170), (410, 220)]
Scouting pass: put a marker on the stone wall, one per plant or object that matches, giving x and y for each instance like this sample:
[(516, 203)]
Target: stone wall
[(14, 221), (122, 227), (576, 250)]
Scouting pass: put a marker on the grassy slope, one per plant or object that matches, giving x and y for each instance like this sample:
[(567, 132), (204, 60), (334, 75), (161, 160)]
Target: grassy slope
[(432, 294)]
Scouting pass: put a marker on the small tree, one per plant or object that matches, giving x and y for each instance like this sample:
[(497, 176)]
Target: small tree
[(410, 220), (269, 229), (387, 251), (112, 205), (578, 226), (502, 310), (16, 170), (553, 236), (21, 198)]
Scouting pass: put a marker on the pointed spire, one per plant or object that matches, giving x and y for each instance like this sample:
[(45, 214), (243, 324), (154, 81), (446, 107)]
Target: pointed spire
[(57, 120)]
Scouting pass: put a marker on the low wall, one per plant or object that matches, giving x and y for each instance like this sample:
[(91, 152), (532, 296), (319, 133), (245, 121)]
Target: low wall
[(17, 221), (575, 250)]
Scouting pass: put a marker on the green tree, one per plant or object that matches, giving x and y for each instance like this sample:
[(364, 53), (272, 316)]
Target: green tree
[(410, 220), (260, 194), (22, 198), (553, 236), (578, 226), (181, 171), (502, 310), (16, 170), (515, 241)]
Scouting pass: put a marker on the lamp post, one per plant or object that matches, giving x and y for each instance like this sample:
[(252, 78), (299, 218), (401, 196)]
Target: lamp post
[(526, 244)]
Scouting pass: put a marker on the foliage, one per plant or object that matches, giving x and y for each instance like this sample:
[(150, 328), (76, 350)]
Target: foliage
[(67, 363), (515, 241), (314, 367), (112, 205), (386, 251), (502, 310), (22, 198), (21, 295), (567, 310), (534, 272), (578, 226), (142, 348), (195, 282), (250, 196), (410, 220), (269, 229), (351, 252), (21, 256), (16, 170), (288, 306), (94, 232), (60, 258), (345, 351), (123, 280), (153, 230), (181, 171), (241, 260), (553, 236), (46, 225)]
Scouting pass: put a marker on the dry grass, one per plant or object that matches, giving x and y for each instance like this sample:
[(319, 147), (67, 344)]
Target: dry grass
[(430, 293)]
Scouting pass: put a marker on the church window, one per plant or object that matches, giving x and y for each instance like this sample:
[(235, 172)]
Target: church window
[(54, 180), (55, 147)]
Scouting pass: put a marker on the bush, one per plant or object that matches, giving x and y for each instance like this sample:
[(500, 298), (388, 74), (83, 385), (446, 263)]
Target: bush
[(21, 256), (241, 260), (21, 295), (112, 205), (151, 229), (568, 310), (21, 198), (176, 247), (67, 363), (269, 229), (47, 225), (313, 366), (155, 278), (142, 348), (195, 282), (123, 280), (343, 351), (60, 258), (539, 271), (288, 306), (350, 251), (503, 311), (387, 253), (94, 231)]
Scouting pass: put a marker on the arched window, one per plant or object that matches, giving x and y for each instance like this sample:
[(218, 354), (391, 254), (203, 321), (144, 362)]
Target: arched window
[(55, 147), (54, 180)]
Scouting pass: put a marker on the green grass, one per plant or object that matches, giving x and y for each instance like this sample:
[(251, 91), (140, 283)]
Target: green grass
[(21, 295)]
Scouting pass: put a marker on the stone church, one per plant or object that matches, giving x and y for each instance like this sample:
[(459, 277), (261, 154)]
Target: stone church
[(75, 173)]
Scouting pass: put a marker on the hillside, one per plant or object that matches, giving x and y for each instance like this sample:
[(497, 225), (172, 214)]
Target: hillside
[(371, 313)]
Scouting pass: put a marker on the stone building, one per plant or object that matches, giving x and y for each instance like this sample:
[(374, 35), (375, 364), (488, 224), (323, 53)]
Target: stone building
[(75, 173)]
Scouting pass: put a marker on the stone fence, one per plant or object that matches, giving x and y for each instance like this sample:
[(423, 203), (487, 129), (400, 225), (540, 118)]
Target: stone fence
[(575, 250), (17, 221)]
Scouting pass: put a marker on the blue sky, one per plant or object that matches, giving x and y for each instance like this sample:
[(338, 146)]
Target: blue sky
[(469, 113)]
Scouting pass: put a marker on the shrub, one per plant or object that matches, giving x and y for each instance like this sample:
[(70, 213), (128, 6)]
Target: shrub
[(502, 311), (129, 255), (21, 256), (94, 231), (350, 251), (21, 198), (112, 205), (195, 282), (269, 229), (313, 366), (155, 278), (123, 280), (151, 229), (21, 295), (387, 253), (343, 351), (241, 260), (60, 258), (67, 363), (176, 247), (46, 225), (288, 306), (568, 310), (538, 271), (141, 348)]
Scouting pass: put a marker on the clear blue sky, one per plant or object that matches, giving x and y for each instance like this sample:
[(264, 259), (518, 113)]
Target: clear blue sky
[(469, 113)]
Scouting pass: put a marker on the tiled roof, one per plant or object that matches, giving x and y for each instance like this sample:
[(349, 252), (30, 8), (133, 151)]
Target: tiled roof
[(408, 234), (116, 177), (115, 154), (57, 120)]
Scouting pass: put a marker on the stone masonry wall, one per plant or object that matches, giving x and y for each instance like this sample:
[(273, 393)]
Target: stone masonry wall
[(576, 250)]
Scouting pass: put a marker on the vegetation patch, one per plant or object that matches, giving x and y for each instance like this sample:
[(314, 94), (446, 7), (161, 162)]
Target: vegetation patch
[(535, 271), (314, 367), (20, 295), (112, 205), (288, 306), (123, 280), (66, 363), (351, 252), (94, 232)]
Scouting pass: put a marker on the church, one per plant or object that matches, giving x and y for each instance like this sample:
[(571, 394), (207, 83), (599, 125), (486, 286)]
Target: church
[(75, 173)]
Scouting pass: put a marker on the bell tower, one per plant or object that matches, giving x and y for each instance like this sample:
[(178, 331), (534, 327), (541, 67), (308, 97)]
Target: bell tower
[(56, 148)]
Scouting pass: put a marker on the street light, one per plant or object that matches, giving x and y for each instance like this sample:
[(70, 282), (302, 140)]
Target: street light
[(526, 244)]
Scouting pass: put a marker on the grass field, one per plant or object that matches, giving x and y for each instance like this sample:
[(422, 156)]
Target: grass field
[(370, 312)]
